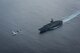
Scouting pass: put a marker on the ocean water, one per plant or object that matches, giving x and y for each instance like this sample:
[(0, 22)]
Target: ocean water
[(27, 16)]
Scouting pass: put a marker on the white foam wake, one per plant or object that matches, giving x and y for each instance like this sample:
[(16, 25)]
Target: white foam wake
[(14, 33), (71, 16)]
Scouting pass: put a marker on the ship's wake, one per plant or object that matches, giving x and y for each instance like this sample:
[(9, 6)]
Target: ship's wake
[(71, 17)]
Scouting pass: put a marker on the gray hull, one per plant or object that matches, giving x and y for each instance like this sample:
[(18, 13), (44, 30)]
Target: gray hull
[(51, 26)]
